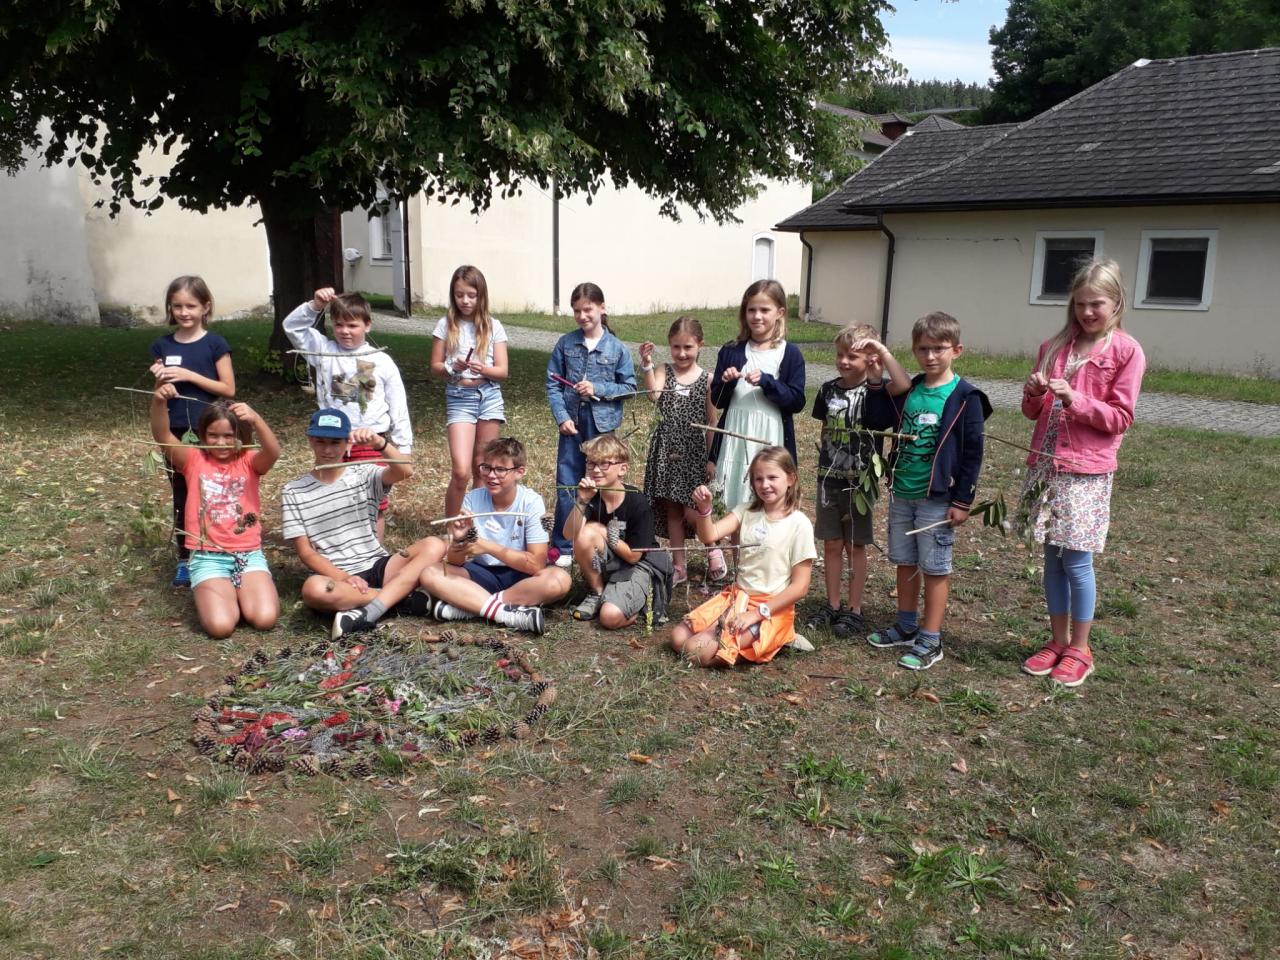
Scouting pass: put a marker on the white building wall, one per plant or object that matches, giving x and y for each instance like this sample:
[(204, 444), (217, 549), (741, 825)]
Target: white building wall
[(977, 266), (847, 281), (44, 272)]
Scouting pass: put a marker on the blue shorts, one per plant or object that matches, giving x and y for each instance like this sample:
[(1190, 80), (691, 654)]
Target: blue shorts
[(493, 578), (212, 564), (931, 550), (473, 404)]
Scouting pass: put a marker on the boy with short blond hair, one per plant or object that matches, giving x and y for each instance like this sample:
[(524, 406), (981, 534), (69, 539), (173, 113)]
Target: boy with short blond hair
[(934, 472), (611, 529), (844, 452)]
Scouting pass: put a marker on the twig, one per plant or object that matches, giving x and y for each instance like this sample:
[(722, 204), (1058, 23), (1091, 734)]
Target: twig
[(152, 393), (826, 676), (352, 463), (698, 549), (889, 433), (940, 523), (574, 486), (201, 446), (730, 433), (468, 516), (1038, 453), (344, 356)]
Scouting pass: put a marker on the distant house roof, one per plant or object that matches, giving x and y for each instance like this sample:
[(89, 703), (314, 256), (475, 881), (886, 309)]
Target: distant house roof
[(934, 123), (1202, 129)]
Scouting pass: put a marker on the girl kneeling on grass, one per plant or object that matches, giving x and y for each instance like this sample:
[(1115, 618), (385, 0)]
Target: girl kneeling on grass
[(222, 524), (754, 617)]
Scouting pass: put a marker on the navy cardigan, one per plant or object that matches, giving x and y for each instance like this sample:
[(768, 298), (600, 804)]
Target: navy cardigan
[(785, 391)]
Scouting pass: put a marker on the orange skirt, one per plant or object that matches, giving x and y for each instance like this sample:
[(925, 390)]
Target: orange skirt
[(775, 633)]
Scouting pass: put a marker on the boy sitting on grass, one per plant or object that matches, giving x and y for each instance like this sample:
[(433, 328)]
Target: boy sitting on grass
[(844, 453), (331, 514), (495, 563), (608, 528), (935, 478)]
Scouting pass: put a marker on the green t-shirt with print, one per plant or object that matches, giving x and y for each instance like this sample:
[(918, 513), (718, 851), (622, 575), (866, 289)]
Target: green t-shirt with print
[(922, 417)]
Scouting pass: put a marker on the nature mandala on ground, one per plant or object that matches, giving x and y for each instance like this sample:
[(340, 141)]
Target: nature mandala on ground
[(373, 707)]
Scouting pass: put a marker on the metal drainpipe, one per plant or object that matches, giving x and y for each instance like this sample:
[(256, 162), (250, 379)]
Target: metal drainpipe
[(808, 274), (888, 277), (555, 246)]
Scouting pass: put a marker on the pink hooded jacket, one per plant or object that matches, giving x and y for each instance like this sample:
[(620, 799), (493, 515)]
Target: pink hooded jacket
[(1106, 388)]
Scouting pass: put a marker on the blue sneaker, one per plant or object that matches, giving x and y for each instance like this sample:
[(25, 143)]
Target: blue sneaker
[(922, 655), (182, 576)]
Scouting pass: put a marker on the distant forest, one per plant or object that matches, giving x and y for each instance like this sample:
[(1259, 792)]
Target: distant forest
[(912, 96)]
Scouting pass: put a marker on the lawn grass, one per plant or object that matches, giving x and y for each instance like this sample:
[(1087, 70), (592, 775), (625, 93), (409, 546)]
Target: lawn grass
[(814, 807)]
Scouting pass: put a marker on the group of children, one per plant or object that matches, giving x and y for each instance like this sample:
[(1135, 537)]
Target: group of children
[(498, 561)]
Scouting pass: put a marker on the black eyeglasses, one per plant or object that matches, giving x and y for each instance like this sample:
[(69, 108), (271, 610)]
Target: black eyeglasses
[(489, 469), (603, 464)]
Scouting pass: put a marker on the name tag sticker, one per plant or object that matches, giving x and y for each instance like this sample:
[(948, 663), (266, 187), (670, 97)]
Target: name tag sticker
[(682, 391), (760, 531), (927, 420), (493, 525), (174, 361)]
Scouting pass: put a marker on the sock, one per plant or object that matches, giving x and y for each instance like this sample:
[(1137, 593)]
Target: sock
[(929, 639), (492, 607), (908, 620), (373, 610)]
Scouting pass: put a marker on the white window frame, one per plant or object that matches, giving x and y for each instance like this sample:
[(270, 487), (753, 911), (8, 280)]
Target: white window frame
[(378, 230), (1034, 295), (773, 256), (1140, 301)]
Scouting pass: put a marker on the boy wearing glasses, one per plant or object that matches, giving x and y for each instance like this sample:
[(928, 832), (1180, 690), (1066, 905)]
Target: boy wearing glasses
[(609, 528), (496, 558), (934, 471)]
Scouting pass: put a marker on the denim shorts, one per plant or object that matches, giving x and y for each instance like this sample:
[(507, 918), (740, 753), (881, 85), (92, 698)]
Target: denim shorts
[(211, 564), (931, 550), (473, 404)]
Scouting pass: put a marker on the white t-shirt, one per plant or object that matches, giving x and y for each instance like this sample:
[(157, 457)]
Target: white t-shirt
[(788, 541), (521, 527), (467, 340)]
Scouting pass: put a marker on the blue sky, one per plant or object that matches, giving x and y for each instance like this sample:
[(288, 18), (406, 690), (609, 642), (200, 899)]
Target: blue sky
[(937, 40)]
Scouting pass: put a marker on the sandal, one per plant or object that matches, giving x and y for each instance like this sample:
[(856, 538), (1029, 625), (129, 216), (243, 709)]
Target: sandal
[(678, 576), (717, 569)]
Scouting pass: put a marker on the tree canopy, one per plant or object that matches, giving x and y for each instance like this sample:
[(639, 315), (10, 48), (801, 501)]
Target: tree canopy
[(305, 107), (1049, 50)]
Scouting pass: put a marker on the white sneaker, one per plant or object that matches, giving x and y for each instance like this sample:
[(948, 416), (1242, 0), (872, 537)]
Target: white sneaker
[(801, 645), (564, 561)]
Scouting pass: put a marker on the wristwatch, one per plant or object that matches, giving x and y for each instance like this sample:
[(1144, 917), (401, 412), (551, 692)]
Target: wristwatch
[(764, 611)]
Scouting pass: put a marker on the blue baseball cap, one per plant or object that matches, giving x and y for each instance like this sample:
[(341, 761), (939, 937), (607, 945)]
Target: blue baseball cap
[(329, 423)]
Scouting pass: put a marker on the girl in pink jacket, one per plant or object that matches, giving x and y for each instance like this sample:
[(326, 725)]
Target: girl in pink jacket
[(1081, 395)]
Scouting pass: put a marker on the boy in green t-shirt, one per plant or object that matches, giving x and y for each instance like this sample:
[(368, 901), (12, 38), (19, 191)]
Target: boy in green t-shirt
[(935, 476)]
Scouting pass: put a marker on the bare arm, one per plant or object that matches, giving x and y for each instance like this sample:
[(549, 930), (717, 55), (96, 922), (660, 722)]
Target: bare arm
[(709, 530), (269, 453), (176, 452)]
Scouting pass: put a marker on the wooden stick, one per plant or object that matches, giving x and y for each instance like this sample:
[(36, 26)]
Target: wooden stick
[(362, 353), (152, 393), (201, 446), (353, 463), (468, 516), (698, 549), (730, 433), (940, 523), (889, 433), (1038, 453), (574, 486), (560, 379)]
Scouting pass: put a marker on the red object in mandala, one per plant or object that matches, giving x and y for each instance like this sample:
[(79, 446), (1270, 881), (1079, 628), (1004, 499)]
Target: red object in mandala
[(408, 747), (228, 715), (352, 656), (503, 662), (337, 680), (337, 719)]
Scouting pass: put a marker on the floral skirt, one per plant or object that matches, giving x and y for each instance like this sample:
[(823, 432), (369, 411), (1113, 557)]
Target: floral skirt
[(1070, 510)]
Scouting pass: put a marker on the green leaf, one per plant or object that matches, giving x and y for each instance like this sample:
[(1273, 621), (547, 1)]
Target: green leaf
[(44, 858)]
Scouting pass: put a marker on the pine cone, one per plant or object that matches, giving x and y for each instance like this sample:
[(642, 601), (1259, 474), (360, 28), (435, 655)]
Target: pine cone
[(468, 738), (205, 745), (534, 715), (242, 761), (521, 730), (260, 657), (548, 522), (203, 728), (492, 735), (257, 765), (205, 714), (285, 653), (360, 768), (306, 765), (273, 762), (448, 636), (330, 765), (226, 690), (230, 679), (546, 697), (371, 729)]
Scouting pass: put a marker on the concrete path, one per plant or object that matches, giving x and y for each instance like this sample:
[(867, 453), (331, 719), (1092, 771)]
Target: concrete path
[(1165, 409)]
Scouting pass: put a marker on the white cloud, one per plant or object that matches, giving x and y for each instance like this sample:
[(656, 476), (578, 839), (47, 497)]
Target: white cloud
[(931, 58)]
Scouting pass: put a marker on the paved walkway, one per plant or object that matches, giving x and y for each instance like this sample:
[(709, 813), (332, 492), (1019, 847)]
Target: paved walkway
[(1165, 409)]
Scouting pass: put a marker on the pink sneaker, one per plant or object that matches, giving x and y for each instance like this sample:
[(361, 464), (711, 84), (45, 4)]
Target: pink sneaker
[(1073, 668), (1042, 662)]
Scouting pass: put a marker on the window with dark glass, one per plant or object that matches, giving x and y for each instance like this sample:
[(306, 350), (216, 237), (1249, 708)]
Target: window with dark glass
[(1176, 269), (1062, 257)]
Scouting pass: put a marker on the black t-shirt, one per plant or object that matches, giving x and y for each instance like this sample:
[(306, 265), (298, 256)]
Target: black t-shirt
[(634, 516), (843, 450)]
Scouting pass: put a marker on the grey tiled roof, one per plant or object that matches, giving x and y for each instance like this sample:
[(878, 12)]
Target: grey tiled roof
[(1185, 130), (933, 123)]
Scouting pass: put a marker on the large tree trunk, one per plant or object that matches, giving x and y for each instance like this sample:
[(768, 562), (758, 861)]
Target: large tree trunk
[(305, 256)]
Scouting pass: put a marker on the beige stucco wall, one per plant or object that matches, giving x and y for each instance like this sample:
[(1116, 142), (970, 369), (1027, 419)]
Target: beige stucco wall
[(44, 272), (369, 273), (619, 241), (134, 255), (847, 281), (978, 266)]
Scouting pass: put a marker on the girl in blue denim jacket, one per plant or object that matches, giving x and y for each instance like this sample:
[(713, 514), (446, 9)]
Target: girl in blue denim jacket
[(589, 371)]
